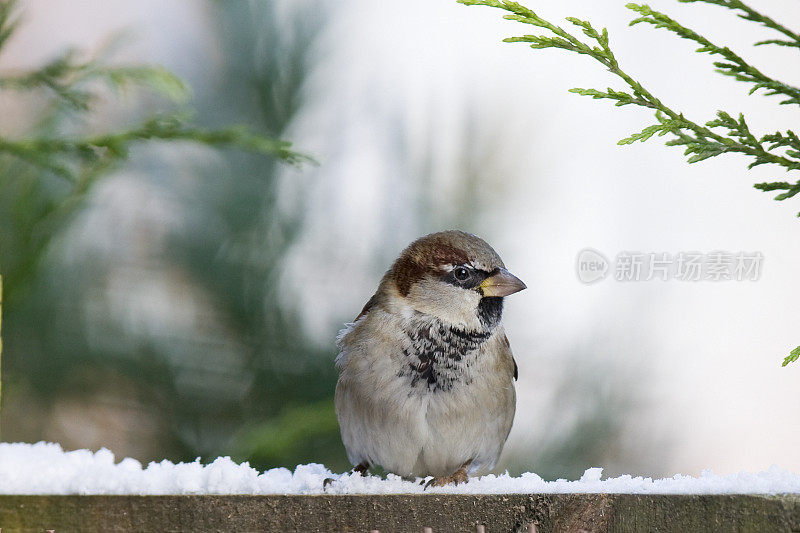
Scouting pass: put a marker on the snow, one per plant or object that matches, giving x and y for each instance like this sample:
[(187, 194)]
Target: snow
[(45, 468)]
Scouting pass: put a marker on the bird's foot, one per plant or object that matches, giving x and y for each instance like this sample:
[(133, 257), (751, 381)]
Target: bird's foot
[(459, 476), (360, 469), (456, 478)]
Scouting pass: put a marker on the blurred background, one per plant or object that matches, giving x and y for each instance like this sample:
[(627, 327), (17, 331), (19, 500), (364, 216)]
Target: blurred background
[(188, 308)]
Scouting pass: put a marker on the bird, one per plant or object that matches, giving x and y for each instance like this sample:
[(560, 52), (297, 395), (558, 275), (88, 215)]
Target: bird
[(425, 372)]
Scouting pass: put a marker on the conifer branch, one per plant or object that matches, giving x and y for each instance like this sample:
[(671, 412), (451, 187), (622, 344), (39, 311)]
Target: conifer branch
[(8, 20), (701, 141), (751, 14), (60, 146), (71, 84), (60, 155), (793, 356), (67, 77), (735, 66)]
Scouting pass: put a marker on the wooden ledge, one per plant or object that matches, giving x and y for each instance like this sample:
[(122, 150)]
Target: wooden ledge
[(400, 513)]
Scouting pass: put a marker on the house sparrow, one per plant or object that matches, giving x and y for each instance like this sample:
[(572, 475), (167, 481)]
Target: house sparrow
[(426, 374)]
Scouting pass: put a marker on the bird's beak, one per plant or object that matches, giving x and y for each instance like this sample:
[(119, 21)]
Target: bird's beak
[(501, 283)]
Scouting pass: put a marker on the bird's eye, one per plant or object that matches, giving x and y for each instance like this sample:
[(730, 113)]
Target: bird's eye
[(461, 273)]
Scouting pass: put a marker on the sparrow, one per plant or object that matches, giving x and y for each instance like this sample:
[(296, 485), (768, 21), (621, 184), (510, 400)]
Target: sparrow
[(426, 373)]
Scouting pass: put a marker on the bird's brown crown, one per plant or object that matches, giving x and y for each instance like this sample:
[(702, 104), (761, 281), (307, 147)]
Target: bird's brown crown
[(431, 253)]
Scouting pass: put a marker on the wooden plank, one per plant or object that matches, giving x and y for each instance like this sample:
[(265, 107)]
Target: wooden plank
[(403, 513)]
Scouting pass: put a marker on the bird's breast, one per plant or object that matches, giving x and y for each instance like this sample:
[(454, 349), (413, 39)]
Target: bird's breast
[(437, 357)]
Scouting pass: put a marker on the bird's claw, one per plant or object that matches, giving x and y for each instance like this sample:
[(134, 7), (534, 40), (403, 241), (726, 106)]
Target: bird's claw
[(362, 469), (460, 476)]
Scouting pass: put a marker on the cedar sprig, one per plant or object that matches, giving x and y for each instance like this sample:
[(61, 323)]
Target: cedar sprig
[(748, 13), (71, 85), (793, 356), (700, 140), (733, 66)]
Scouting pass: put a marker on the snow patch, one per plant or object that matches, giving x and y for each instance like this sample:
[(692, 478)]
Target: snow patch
[(45, 468)]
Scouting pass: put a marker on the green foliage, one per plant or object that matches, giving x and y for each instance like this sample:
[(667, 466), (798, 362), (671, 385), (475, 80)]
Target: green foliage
[(199, 386), (99, 150), (748, 13), (724, 134), (46, 173), (309, 430), (735, 66), (235, 246), (72, 83), (792, 357)]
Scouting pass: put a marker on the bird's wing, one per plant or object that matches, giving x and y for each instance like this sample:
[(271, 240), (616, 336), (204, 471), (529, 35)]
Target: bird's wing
[(367, 306), (510, 353)]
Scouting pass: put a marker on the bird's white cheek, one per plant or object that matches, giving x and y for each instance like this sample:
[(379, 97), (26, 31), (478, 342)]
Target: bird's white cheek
[(447, 302)]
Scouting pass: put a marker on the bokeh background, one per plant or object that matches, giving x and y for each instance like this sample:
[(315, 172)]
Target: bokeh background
[(189, 308)]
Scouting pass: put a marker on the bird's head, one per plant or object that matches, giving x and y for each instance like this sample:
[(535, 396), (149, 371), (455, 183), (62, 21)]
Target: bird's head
[(455, 277)]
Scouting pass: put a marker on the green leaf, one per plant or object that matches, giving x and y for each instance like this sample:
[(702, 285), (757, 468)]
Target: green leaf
[(787, 194), (793, 356), (773, 186), (156, 78), (643, 135)]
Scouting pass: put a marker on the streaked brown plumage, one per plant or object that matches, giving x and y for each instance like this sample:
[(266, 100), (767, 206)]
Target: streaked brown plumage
[(426, 371)]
